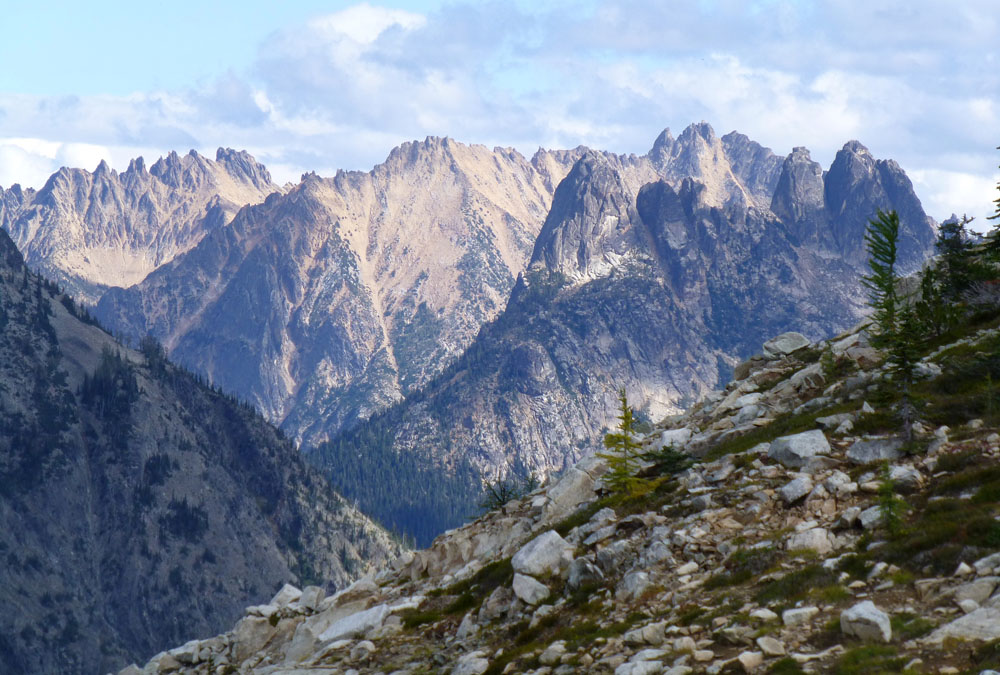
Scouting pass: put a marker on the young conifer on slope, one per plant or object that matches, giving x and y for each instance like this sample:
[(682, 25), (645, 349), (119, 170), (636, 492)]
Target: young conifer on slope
[(623, 452)]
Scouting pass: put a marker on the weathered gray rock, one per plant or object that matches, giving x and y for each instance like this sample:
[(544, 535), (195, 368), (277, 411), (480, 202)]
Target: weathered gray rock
[(795, 450), (650, 634), (496, 604), (553, 653), (286, 596), (639, 668), (356, 625), (988, 565), (979, 590), (548, 553), (302, 646), (795, 489), (582, 572), (633, 585), (467, 628), (831, 422), (311, 597), (982, 624), (784, 344), (848, 518), (250, 635), (675, 438), (473, 663), (771, 646), (869, 450), (871, 517), (530, 590), (867, 622), (816, 539), (798, 615), (658, 552), (187, 654), (614, 558), (574, 488), (750, 661)]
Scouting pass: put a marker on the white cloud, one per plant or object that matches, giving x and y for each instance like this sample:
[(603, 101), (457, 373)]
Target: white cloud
[(914, 80), (30, 161), (363, 24), (20, 165), (947, 193)]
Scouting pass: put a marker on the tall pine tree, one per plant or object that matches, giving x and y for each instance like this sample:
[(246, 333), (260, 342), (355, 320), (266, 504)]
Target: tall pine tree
[(623, 452), (900, 333), (882, 238)]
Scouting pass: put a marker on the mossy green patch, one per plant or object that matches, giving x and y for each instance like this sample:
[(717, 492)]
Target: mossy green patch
[(782, 425), (796, 584), (907, 626), (870, 660)]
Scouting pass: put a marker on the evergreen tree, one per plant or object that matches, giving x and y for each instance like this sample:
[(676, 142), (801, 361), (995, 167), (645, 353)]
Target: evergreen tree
[(900, 333), (993, 238), (936, 314), (623, 455), (882, 238), (954, 246), (904, 354), (890, 505)]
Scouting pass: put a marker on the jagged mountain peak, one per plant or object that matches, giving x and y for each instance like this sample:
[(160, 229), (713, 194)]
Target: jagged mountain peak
[(856, 186), (587, 227), (695, 131), (799, 197), (856, 147), (242, 163), (756, 167), (700, 154), (90, 230), (137, 165), (662, 144), (855, 160)]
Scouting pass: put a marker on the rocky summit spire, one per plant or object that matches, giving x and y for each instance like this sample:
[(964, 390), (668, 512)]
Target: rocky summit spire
[(799, 200), (590, 220)]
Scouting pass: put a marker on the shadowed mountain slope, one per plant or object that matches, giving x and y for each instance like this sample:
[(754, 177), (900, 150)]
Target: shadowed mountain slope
[(138, 507)]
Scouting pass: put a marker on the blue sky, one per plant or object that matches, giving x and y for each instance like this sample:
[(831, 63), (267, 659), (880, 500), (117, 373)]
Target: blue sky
[(314, 85)]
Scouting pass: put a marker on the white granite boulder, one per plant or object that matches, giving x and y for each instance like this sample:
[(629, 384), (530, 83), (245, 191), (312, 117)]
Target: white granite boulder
[(796, 450), (529, 590), (867, 622), (784, 344), (548, 553)]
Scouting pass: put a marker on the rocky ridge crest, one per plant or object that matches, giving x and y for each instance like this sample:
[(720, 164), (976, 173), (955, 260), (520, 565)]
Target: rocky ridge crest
[(769, 552), (92, 230)]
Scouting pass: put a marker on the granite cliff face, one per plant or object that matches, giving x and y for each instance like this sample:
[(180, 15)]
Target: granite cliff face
[(326, 304), (138, 507), (89, 231), (660, 291)]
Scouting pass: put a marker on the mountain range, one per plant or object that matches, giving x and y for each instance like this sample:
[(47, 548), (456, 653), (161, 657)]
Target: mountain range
[(90, 231), (460, 312), (658, 291)]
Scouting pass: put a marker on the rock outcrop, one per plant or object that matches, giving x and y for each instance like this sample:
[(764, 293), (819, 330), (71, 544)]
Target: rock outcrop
[(710, 570)]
